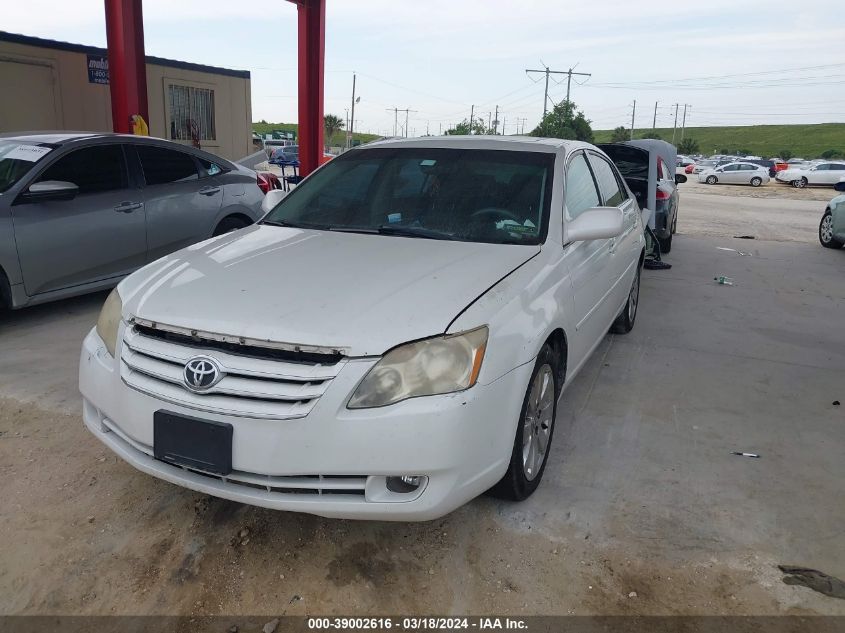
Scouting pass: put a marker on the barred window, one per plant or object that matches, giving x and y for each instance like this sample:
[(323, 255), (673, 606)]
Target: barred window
[(191, 108)]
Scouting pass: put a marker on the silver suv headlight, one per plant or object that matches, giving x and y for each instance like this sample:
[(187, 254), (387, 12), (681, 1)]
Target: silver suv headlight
[(109, 320), (439, 365)]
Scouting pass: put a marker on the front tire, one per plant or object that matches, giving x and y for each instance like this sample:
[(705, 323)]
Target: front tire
[(711, 180), (756, 181), (533, 431), (826, 232), (624, 323), (800, 183)]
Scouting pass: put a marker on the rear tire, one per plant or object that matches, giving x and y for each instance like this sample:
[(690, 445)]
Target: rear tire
[(826, 232), (800, 183), (534, 430), (227, 225), (624, 323), (756, 181), (665, 244), (711, 180)]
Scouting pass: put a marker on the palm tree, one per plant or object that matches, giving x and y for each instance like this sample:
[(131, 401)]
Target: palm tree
[(333, 124)]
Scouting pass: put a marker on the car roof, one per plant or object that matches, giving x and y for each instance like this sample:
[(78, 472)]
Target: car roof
[(509, 143), (59, 137)]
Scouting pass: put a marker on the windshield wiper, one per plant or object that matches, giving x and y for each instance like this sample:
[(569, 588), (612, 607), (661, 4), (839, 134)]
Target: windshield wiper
[(295, 225), (415, 231)]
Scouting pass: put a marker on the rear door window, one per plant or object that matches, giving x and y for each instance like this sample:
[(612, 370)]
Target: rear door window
[(162, 165), (93, 169)]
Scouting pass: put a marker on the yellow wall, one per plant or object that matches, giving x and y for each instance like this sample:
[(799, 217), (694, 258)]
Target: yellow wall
[(47, 88)]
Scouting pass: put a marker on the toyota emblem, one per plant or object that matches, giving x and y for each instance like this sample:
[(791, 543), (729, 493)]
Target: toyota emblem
[(202, 373)]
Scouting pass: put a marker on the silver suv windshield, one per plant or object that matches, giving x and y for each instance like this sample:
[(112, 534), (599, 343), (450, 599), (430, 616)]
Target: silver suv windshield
[(492, 196), (16, 159)]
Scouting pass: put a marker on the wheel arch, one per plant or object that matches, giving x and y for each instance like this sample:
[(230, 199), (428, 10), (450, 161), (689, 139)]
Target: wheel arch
[(5, 290), (560, 346)]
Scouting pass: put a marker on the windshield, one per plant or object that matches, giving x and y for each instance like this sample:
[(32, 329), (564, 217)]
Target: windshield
[(16, 159), (493, 196)]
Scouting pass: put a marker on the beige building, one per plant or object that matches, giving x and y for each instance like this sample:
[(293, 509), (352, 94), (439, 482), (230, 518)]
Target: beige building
[(50, 85)]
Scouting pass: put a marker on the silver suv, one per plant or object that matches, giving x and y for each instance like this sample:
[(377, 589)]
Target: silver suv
[(79, 211)]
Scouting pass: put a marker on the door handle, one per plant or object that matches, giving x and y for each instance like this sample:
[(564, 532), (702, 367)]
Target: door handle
[(208, 191), (128, 207)]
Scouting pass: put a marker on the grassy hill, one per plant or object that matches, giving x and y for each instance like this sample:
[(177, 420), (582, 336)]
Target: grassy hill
[(806, 141), (339, 139)]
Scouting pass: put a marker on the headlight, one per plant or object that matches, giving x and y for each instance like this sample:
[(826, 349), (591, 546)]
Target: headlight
[(444, 364), (109, 320)]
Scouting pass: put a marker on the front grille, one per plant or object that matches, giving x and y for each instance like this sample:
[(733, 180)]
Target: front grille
[(257, 382)]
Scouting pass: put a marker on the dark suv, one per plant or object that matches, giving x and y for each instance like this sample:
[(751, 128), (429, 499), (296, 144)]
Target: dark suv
[(645, 166)]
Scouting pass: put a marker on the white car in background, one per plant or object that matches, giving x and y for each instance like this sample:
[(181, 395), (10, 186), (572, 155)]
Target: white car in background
[(736, 174), (822, 173), (436, 296)]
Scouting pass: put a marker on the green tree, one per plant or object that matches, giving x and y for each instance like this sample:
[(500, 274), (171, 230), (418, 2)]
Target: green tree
[(620, 134), (462, 128), (786, 154), (652, 135), (688, 146), (564, 122), (832, 153), (332, 124)]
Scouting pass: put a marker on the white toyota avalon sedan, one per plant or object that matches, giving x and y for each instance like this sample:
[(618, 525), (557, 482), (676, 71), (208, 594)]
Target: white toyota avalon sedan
[(388, 342)]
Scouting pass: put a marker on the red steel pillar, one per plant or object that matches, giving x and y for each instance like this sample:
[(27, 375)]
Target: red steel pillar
[(127, 67), (312, 51)]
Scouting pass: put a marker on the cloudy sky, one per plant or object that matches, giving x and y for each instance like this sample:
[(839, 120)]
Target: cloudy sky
[(734, 62)]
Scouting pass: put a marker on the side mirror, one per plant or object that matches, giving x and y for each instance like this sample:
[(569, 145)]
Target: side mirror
[(679, 178), (271, 199), (50, 190), (598, 223), (840, 186)]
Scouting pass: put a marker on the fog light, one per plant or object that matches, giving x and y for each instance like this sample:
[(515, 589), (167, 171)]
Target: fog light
[(405, 483)]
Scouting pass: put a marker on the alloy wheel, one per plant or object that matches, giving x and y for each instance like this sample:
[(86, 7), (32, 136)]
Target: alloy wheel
[(826, 229), (537, 425)]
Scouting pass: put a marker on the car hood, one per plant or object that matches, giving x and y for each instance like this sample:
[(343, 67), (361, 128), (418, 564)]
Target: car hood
[(362, 294)]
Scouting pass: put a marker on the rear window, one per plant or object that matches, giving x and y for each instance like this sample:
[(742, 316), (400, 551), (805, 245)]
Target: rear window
[(162, 166)]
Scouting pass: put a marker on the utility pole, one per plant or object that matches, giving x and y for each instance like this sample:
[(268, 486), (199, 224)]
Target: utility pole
[(569, 74), (522, 120), (633, 114), (440, 130), (351, 127), (675, 127), (396, 112), (395, 119), (684, 123), (489, 120), (548, 72), (471, 114), (504, 123), (496, 121), (654, 122)]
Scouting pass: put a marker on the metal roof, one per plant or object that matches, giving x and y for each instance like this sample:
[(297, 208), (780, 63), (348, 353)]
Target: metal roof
[(16, 38)]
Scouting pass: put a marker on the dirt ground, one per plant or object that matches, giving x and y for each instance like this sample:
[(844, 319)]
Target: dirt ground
[(643, 509)]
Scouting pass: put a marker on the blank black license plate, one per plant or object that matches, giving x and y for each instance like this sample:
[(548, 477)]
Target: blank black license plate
[(192, 443)]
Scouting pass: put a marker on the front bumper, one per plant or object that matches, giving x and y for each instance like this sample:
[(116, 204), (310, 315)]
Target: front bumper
[(460, 442)]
